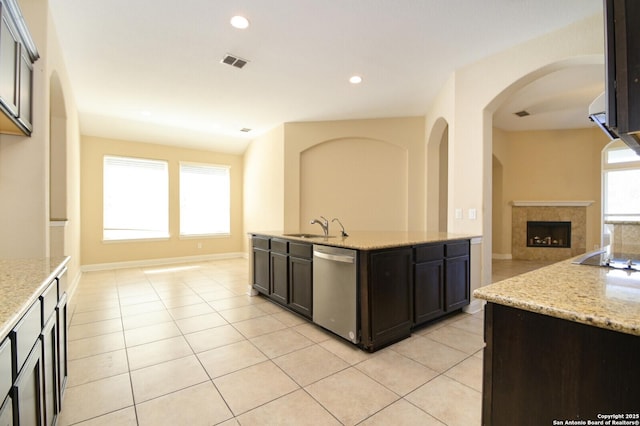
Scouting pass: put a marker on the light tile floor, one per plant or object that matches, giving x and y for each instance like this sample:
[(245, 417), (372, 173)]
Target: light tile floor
[(184, 345)]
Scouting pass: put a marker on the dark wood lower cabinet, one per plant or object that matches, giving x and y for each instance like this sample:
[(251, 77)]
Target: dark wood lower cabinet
[(429, 291), (538, 369), (279, 278), (300, 285), (398, 288), (28, 390), (456, 283), (63, 369), (390, 288), (261, 275), (49, 339)]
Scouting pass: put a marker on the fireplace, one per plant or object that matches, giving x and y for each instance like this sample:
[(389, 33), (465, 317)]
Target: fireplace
[(572, 214), (548, 234)]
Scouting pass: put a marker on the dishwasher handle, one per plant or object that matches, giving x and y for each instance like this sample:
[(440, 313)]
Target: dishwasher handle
[(334, 257)]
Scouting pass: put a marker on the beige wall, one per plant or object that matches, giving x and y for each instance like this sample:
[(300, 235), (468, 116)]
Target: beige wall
[(405, 134), (295, 173), (264, 182), (25, 183), (363, 182), (561, 165), (468, 99), (97, 252)]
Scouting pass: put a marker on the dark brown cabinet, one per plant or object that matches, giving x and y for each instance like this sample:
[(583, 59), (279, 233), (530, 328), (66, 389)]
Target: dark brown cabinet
[(390, 287), (399, 288), (280, 278), (429, 291), (300, 278), (28, 404), (33, 360), (282, 270), (540, 369), (261, 275), (17, 55), (441, 279)]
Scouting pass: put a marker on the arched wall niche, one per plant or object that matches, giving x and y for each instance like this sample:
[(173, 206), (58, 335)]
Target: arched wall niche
[(362, 181)]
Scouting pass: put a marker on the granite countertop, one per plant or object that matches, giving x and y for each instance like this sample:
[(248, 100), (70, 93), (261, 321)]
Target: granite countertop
[(21, 283), (372, 240), (592, 295)]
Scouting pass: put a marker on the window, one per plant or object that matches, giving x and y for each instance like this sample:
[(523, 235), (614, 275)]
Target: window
[(205, 207), (136, 198), (621, 195)]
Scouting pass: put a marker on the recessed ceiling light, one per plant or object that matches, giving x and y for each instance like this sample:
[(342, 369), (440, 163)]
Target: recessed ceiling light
[(355, 79), (239, 22), (145, 113)]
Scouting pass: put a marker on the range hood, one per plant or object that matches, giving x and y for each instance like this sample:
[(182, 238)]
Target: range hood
[(598, 114)]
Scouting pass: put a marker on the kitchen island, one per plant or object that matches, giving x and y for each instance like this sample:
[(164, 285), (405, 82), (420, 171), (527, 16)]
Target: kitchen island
[(33, 340), (403, 279), (562, 345)]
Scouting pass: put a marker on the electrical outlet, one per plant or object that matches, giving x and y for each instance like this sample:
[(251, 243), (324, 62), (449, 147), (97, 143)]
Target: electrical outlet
[(458, 213), (472, 214), (199, 245)]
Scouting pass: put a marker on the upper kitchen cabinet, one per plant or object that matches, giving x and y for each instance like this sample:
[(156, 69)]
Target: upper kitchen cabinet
[(17, 55)]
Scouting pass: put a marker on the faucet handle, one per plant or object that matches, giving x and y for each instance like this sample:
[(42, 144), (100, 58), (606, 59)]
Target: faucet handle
[(326, 221)]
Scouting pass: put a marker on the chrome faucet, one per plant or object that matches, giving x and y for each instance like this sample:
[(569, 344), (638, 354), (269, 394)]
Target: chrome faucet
[(344, 234), (324, 223)]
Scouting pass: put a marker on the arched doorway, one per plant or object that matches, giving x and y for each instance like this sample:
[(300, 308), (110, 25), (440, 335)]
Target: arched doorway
[(58, 214), (438, 177)]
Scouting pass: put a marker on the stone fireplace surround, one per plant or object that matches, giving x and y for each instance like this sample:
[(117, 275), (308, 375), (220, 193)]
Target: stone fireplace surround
[(548, 211)]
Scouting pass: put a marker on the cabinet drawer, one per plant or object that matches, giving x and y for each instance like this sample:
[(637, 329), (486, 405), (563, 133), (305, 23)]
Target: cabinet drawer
[(49, 300), (25, 335), (260, 242), (279, 246), (460, 248), (428, 253), (5, 368), (301, 250)]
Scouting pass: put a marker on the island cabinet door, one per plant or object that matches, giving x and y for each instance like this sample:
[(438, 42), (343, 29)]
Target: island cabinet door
[(300, 285), (279, 278), (456, 283), (28, 406), (429, 291), (390, 295), (261, 273)]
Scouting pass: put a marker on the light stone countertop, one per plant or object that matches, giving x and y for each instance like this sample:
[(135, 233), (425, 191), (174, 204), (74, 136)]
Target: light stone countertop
[(371, 240), (21, 283), (592, 295)]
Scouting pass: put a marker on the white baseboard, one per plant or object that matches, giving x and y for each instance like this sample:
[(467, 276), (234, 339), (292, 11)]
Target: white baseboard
[(165, 261), (500, 256)]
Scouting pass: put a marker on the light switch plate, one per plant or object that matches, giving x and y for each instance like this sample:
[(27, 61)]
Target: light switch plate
[(472, 214), (458, 213)]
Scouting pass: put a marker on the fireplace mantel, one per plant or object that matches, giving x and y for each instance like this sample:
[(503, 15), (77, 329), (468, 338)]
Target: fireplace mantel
[(552, 203)]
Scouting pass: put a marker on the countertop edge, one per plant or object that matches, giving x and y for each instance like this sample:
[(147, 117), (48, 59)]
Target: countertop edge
[(373, 240), (16, 316)]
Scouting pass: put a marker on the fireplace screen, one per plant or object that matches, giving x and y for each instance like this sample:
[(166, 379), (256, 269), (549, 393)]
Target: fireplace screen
[(549, 234)]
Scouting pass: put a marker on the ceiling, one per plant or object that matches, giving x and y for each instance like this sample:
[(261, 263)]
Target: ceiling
[(151, 71)]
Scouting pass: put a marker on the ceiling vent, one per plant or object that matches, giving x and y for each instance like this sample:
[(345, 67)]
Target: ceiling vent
[(522, 113), (245, 130), (234, 61)]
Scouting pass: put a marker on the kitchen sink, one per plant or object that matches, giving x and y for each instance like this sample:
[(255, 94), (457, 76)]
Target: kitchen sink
[(308, 235)]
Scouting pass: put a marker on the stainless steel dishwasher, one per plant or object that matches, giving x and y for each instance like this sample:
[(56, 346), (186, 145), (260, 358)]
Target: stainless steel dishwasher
[(335, 290)]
